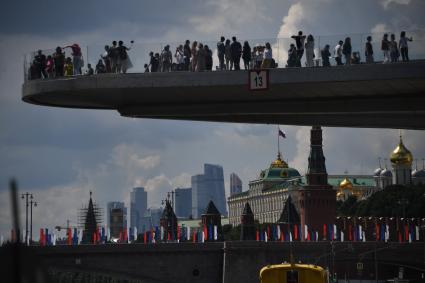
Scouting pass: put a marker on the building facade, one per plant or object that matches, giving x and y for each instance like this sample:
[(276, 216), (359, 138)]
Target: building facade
[(206, 187), (116, 215), (235, 184), (267, 194), (183, 202), (138, 206)]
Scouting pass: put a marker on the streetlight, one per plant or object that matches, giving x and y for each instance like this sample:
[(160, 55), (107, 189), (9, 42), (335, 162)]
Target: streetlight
[(25, 196), (32, 203)]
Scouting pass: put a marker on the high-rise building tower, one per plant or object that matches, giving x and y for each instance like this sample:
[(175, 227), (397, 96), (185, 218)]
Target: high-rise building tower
[(183, 202), (235, 184), (206, 187), (138, 206), (316, 200), (116, 215)]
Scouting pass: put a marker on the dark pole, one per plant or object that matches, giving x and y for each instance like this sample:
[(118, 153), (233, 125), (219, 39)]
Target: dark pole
[(32, 203), (15, 215)]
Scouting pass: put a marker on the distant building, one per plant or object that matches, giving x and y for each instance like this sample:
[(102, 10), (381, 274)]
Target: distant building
[(235, 184), (183, 202), (150, 219), (206, 187), (401, 174), (116, 215), (138, 206), (267, 194), (360, 186)]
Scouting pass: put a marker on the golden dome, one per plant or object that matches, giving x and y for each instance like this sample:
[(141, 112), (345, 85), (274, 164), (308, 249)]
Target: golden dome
[(278, 163), (346, 184), (401, 155)]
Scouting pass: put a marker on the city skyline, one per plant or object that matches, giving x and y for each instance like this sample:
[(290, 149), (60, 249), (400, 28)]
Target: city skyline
[(61, 154)]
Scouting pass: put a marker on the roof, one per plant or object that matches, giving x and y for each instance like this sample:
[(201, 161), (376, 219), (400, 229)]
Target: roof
[(242, 194), (279, 173), (211, 208), (361, 181), (289, 213), (247, 209)]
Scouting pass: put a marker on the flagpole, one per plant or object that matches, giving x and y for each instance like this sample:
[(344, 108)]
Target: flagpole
[(278, 140)]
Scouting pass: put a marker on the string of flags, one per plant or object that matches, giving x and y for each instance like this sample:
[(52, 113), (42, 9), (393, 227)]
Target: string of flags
[(102, 235), (405, 232)]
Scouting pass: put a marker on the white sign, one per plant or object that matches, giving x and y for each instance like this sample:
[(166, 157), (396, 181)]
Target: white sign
[(258, 79)]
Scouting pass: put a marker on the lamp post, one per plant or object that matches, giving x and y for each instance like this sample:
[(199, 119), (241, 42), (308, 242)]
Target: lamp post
[(32, 203), (25, 196)]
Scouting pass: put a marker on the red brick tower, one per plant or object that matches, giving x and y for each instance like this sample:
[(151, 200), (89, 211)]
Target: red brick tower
[(316, 200)]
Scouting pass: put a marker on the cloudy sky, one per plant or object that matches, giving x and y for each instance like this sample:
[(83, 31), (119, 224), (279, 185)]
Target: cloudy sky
[(59, 155)]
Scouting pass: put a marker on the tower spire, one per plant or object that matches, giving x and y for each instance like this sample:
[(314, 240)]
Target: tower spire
[(316, 173)]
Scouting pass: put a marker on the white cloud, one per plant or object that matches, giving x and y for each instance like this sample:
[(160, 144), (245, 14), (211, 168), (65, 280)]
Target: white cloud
[(292, 21), (379, 28), (127, 156), (300, 160)]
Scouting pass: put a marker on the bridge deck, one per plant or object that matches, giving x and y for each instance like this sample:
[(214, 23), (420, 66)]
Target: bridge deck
[(377, 95)]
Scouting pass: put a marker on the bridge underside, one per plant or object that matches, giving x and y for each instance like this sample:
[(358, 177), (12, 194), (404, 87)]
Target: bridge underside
[(404, 113), (369, 96)]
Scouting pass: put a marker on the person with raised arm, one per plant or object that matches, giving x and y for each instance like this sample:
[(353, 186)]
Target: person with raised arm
[(404, 50), (77, 58), (124, 62), (299, 41)]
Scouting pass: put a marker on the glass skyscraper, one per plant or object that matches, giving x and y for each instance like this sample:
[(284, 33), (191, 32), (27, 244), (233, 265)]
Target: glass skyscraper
[(235, 184), (206, 187), (138, 206), (183, 202)]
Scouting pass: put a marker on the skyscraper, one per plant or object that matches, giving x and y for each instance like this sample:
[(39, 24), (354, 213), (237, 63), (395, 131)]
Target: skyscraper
[(235, 184), (183, 202), (138, 206), (116, 215), (206, 187)]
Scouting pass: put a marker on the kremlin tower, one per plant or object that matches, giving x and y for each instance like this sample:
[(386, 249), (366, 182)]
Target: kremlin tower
[(316, 200)]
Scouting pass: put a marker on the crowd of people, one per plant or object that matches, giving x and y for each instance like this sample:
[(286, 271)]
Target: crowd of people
[(197, 57), (343, 51)]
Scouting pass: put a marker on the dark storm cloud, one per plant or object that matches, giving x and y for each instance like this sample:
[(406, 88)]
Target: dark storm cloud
[(61, 18)]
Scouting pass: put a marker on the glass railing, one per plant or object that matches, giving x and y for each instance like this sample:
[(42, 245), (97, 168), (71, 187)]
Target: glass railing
[(139, 53)]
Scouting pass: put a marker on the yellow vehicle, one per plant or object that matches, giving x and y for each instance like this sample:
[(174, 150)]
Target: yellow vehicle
[(293, 273)]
